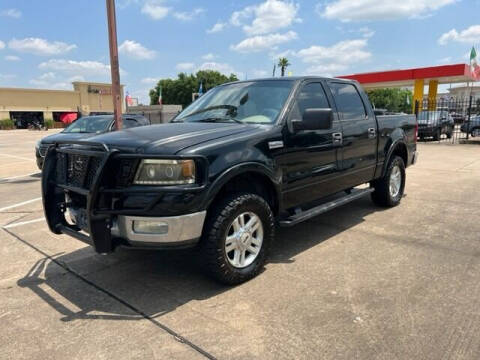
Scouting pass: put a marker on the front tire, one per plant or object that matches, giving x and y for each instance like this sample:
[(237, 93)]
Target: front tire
[(237, 238), (389, 189), (437, 135)]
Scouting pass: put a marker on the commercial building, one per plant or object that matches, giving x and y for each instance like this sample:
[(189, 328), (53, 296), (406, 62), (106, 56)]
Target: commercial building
[(85, 98)]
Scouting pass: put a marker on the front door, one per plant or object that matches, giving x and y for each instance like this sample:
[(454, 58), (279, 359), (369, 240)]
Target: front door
[(311, 157), (359, 134)]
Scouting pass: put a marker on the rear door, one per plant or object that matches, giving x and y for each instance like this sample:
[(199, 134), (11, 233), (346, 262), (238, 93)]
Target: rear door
[(310, 161), (359, 134)]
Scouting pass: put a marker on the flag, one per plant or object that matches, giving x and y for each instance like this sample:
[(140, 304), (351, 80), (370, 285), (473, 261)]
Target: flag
[(200, 88), (474, 67), (160, 95), (128, 99)]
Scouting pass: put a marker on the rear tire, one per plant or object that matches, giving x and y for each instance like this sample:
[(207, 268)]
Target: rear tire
[(389, 189), (232, 250)]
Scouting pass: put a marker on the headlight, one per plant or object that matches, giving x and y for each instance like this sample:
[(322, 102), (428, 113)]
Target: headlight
[(165, 172)]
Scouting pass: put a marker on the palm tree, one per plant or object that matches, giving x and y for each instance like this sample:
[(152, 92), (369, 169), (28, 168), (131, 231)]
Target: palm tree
[(283, 64)]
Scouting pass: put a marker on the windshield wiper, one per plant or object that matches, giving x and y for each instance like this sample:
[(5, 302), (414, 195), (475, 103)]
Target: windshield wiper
[(220, 119), (231, 108)]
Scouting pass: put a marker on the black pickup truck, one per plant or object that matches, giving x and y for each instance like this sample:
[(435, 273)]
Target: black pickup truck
[(244, 159)]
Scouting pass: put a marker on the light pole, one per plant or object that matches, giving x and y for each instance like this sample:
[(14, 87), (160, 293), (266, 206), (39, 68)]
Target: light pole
[(114, 67)]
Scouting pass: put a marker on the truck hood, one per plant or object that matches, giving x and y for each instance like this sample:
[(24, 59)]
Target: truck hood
[(67, 137), (169, 139)]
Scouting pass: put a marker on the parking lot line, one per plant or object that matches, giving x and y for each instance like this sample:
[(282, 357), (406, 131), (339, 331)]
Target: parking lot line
[(20, 204), (9, 226), (17, 157), (18, 176)]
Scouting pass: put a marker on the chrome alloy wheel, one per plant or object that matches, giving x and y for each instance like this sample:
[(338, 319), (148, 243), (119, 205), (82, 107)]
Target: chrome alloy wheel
[(244, 240), (395, 181)]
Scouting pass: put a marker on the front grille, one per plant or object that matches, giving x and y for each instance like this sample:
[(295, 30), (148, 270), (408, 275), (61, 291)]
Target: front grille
[(77, 170)]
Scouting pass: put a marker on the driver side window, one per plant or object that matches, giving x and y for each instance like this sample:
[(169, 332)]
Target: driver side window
[(311, 96)]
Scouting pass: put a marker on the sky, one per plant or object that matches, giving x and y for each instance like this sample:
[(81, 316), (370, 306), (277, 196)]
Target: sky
[(50, 43)]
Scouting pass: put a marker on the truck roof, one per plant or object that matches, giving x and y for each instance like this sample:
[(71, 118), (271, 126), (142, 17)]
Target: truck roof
[(293, 78)]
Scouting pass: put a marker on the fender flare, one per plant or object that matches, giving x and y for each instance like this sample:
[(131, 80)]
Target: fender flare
[(239, 169), (392, 148)]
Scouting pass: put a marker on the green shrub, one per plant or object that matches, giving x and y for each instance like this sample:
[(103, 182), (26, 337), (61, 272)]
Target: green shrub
[(6, 124), (48, 123)]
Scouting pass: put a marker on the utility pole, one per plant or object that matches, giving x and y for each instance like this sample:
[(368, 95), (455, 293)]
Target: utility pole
[(114, 67)]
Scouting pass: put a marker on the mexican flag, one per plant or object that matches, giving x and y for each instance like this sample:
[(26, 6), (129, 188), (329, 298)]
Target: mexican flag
[(160, 95), (474, 67)]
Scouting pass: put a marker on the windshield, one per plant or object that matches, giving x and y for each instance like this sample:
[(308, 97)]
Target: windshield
[(252, 102), (90, 124)]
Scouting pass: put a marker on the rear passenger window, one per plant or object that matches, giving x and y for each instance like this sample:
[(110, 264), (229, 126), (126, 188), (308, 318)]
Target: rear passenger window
[(311, 96), (130, 123), (349, 104)]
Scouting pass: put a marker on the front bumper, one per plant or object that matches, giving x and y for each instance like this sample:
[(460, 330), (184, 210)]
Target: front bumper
[(104, 216), (175, 231)]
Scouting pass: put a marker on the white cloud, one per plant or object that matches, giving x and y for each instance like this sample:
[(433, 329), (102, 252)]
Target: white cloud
[(185, 66), (470, 35), (136, 50), (7, 77), (2, 45), (155, 9), (260, 73), (209, 56), (149, 80), (223, 68), (359, 10), (190, 15), (39, 46), (12, 58), (263, 42), (338, 57), (87, 69), (328, 70), (13, 13), (444, 60), (76, 78), (366, 32), (268, 17), (219, 26)]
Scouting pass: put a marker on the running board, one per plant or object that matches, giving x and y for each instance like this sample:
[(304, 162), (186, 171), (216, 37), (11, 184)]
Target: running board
[(308, 214)]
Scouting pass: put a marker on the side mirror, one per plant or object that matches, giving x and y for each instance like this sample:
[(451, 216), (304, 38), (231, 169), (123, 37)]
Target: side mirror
[(314, 119)]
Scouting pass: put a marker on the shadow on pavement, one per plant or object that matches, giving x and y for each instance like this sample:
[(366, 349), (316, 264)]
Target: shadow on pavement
[(153, 283)]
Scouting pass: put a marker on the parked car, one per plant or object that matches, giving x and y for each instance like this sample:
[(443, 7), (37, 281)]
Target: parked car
[(84, 128), (435, 123), (472, 126), (458, 118), (241, 159)]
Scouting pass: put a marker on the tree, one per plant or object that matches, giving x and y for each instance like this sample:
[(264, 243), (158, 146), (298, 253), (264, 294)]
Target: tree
[(283, 64), (395, 100), (179, 91)]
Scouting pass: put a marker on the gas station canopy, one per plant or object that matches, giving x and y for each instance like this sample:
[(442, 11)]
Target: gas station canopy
[(444, 74)]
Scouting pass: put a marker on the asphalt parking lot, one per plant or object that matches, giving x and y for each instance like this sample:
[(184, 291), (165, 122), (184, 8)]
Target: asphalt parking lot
[(358, 282)]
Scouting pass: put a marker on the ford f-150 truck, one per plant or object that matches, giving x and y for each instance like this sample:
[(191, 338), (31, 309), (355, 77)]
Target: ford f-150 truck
[(243, 160)]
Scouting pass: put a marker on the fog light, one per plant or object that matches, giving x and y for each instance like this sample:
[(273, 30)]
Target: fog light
[(150, 227)]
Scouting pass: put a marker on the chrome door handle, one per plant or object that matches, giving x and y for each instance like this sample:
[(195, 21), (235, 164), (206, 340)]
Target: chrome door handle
[(337, 138), (372, 133)]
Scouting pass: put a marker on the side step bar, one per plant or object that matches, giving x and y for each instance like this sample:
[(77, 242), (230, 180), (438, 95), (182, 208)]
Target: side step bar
[(308, 214)]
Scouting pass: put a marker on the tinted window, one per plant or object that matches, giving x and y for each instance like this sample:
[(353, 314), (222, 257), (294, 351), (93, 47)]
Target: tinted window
[(311, 96), (349, 103), (130, 123), (89, 124)]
